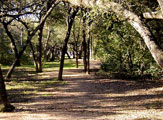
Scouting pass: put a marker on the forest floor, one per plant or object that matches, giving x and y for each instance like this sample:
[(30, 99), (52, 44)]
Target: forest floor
[(82, 97)]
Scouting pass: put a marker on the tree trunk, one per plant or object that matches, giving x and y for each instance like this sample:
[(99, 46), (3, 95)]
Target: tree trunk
[(34, 57), (132, 18), (5, 106), (76, 40), (80, 52), (84, 45), (39, 57), (52, 56), (88, 57), (10, 71), (64, 49), (13, 44)]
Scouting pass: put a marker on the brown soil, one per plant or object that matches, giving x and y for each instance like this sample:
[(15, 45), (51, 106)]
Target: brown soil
[(85, 97)]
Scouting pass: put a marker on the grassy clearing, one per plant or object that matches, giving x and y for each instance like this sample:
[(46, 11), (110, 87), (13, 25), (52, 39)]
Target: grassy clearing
[(68, 64), (26, 83)]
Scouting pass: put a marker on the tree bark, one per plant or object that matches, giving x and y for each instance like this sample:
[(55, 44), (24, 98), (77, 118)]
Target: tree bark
[(84, 44), (132, 18), (5, 106), (39, 57), (64, 49), (89, 38), (34, 57)]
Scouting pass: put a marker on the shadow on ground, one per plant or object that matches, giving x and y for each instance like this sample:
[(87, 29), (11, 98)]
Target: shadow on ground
[(83, 96)]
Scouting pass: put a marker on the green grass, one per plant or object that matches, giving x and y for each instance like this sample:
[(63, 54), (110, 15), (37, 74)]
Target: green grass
[(68, 64), (29, 87), (26, 83)]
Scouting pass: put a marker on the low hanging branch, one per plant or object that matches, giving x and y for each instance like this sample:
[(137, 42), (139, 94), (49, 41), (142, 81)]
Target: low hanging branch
[(129, 16)]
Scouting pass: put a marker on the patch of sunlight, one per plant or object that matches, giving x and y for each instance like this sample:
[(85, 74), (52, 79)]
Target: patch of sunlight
[(136, 115), (42, 73), (156, 89), (44, 76), (46, 95), (74, 75), (5, 67), (30, 92), (14, 85), (31, 74)]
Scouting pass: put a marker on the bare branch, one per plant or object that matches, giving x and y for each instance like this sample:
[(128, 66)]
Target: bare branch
[(153, 15)]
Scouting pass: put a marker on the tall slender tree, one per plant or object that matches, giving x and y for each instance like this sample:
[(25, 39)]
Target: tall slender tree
[(84, 44), (71, 17)]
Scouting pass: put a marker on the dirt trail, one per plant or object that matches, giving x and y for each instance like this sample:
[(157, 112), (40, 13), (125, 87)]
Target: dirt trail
[(86, 97)]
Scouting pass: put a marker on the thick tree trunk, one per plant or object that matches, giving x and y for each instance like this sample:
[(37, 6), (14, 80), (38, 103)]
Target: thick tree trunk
[(5, 106), (64, 49), (132, 18)]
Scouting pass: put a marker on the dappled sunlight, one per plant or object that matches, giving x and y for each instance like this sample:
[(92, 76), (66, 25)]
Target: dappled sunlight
[(74, 75), (41, 96)]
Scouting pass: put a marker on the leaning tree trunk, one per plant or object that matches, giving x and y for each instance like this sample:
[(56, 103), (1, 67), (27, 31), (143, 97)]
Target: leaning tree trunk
[(13, 44), (5, 106), (132, 18), (64, 49)]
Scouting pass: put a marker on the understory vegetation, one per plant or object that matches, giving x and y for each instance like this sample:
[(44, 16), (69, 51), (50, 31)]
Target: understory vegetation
[(123, 52)]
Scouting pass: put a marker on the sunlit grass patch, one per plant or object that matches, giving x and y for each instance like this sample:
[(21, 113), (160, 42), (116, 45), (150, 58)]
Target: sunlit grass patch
[(15, 85), (46, 95), (68, 64), (53, 82)]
